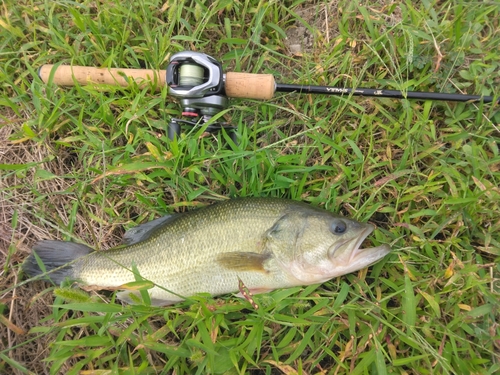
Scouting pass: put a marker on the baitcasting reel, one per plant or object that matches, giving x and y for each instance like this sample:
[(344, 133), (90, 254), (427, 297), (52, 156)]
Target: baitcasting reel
[(196, 79)]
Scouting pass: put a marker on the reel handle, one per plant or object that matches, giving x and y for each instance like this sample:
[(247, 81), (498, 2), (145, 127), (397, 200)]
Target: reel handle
[(237, 85)]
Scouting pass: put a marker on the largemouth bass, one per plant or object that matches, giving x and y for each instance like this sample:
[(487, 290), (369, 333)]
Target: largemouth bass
[(266, 243)]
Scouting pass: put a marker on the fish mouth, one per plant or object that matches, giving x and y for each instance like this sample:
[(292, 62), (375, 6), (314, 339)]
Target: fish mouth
[(367, 255)]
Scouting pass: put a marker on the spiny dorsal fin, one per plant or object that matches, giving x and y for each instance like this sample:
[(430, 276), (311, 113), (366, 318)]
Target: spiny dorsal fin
[(143, 231), (243, 261)]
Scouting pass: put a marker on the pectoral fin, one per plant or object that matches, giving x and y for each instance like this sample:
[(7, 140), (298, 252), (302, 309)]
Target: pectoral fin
[(244, 261)]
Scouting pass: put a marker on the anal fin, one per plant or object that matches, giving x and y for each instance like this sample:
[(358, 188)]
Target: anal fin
[(134, 298)]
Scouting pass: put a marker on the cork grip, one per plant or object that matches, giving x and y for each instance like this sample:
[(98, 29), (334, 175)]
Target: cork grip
[(237, 85), (66, 75), (250, 86)]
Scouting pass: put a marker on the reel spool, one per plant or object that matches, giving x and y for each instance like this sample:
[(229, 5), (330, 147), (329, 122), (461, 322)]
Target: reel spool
[(196, 79), (191, 75)]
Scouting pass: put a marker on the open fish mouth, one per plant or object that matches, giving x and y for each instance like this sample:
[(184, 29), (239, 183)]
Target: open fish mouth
[(367, 255)]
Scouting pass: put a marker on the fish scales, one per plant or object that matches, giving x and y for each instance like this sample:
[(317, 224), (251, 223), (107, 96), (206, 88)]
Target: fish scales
[(182, 256), (267, 243)]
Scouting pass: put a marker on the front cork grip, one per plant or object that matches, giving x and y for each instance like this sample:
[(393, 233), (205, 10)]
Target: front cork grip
[(250, 86)]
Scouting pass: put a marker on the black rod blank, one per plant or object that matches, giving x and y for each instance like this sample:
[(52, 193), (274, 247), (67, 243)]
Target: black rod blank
[(380, 93)]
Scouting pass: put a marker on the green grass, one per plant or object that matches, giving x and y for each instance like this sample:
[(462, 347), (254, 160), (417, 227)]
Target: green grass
[(84, 163)]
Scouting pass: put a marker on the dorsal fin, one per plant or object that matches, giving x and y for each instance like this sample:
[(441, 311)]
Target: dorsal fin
[(143, 231)]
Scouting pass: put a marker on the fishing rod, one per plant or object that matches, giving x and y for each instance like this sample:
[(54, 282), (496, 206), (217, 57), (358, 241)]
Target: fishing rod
[(202, 88)]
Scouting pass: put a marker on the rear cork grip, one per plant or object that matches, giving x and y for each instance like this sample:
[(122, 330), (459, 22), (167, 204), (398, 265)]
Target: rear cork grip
[(66, 75), (250, 86)]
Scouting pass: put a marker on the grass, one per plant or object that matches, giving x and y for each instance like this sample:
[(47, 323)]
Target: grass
[(83, 163)]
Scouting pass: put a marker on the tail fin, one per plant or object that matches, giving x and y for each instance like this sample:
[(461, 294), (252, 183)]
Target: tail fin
[(57, 257)]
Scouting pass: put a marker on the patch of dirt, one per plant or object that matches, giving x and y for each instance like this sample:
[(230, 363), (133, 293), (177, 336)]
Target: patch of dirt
[(23, 194), (301, 37), (320, 23), (19, 313)]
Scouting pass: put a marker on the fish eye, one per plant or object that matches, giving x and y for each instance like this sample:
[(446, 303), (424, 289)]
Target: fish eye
[(338, 226)]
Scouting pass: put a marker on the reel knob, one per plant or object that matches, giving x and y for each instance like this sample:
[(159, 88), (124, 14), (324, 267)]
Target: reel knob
[(174, 130)]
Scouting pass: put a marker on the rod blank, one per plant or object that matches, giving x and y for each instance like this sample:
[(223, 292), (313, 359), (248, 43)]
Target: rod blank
[(380, 93)]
